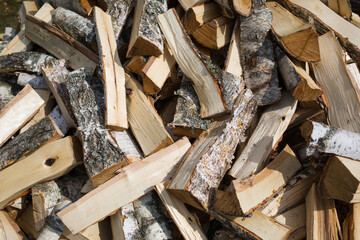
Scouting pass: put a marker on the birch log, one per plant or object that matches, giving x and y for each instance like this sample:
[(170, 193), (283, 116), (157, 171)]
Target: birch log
[(82, 7), (24, 61), (119, 11), (124, 224)]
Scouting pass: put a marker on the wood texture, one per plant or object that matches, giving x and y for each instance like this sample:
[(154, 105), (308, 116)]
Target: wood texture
[(9, 229), (198, 15), (50, 161), (23, 61), (82, 7), (294, 218), (187, 4), (119, 11), (271, 126), (341, 7), (232, 62), (124, 224), (113, 75), (145, 123), (135, 64), (128, 145), (331, 74), (59, 44), (115, 193), (19, 110), (27, 7)]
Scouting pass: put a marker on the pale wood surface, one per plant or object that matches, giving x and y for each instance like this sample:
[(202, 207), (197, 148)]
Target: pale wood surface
[(123, 189), (186, 4), (27, 7), (295, 218), (11, 230), (198, 15), (232, 62), (341, 7), (124, 224), (97, 231)]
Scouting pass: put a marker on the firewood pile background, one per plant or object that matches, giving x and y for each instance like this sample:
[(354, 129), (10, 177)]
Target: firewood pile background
[(180, 119)]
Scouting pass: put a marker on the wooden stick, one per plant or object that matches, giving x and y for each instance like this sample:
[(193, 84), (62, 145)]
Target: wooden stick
[(19, 110), (184, 220), (341, 98), (257, 189), (145, 123), (119, 11), (53, 39), (9, 229), (271, 126), (198, 15), (143, 41), (113, 75), (50, 161), (210, 157), (115, 193), (295, 218)]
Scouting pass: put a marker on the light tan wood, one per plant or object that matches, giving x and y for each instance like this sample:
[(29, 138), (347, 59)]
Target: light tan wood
[(243, 7), (341, 7), (27, 7), (97, 231), (20, 43), (331, 74), (198, 15), (26, 222), (294, 218), (35, 119), (215, 34), (19, 110), (184, 220), (48, 162), (60, 44), (132, 182), (355, 19), (135, 64), (156, 71), (10, 228), (187, 4), (233, 62), (112, 72), (354, 75), (257, 189), (145, 123)]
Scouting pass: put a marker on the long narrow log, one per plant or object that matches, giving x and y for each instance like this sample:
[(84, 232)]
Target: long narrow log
[(206, 163), (24, 61), (119, 11)]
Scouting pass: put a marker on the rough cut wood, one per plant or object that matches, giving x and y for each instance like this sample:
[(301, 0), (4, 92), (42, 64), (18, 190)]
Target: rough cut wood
[(331, 74), (232, 62), (206, 163), (294, 218), (145, 123), (295, 35), (341, 179), (124, 224), (216, 89), (50, 161), (296, 79), (97, 142), (113, 75), (257, 189), (341, 7), (24, 62), (135, 64), (322, 138), (354, 75), (119, 11), (184, 220), (146, 38), (20, 43), (321, 217), (156, 71), (271, 126), (116, 193), (78, 27), (59, 44), (128, 145), (82, 7), (198, 15), (187, 4), (27, 7), (9, 230), (97, 231), (26, 222), (215, 34), (39, 134), (351, 223), (19, 110)]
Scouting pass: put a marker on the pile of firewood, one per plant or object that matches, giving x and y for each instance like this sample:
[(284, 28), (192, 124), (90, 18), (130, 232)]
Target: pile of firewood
[(187, 119)]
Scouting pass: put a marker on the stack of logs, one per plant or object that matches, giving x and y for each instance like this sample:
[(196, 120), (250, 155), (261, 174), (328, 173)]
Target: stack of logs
[(187, 119)]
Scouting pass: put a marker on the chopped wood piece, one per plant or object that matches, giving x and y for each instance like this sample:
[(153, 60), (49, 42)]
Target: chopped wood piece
[(127, 144), (204, 166), (145, 123), (146, 38), (97, 142), (272, 124), (294, 218), (20, 43), (59, 44), (198, 15), (232, 62), (184, 220), (26, 222), (27, 7), (24, 61), (187, 4), (9, 34), (113, 75), (351, 223), (341, 179), (296, 79), (135, 64), (115, 193), (48, 162), (295, 35), (19, 110), (9, 230), (256, 226), (322, 138), (78, 27), (124, 224), (257, 189), (354, 75), (321, 217), (119, 11), (331, 74), (82, 7), (341, 7), (156, 71), (97, 231), (216, 89), (39, 134), (215, 34)]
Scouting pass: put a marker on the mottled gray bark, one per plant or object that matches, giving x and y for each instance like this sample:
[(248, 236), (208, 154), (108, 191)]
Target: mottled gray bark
[(23, 61), (130, 225), (72, 5), (119, 11), (9, 34), (290, 76)]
